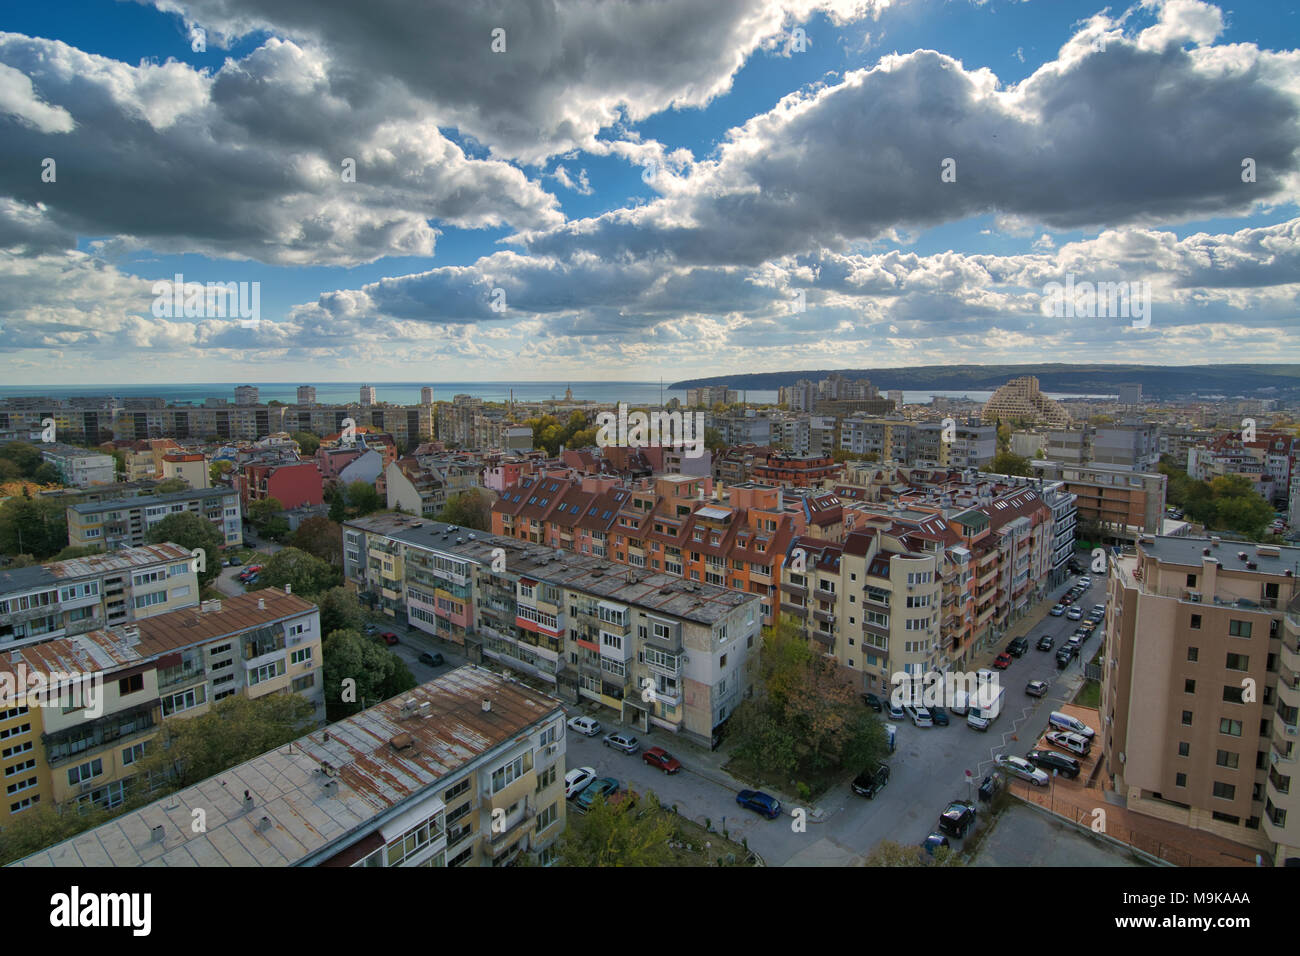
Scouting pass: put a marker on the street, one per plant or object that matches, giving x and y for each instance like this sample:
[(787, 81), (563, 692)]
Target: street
[(927, 769)]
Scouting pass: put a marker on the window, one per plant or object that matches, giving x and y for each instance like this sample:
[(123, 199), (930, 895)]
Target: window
[(1233, 694), (306, 682), (185, 700), (1229, 727), (266, 672), (300, 656), (1196, 622), (1226, 758), (1239, 628), (1180, 780), (1224, 791), (1189, 686), (15, 750), (455, 791), (149, 600), (1184, 748), (20, 767), (1193, 654), (548, 816), (1238, 662), (507, 774), (130, 685), (85, 771), (1187, 718), (21, 785), (131, 754)]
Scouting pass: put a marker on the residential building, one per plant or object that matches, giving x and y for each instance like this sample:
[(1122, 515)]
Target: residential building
[(192, 468), (798, 471), (306, 395), (658, 650), (465, 770), (710, 395), (1199, 687), (292, 483), (1021, 399), (1122, 503), (245, 395), (79, 467), (367, 396), (64, 598), (124, 522)]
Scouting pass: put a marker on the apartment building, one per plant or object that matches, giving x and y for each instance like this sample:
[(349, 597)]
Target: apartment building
[(142, 459), (220, 421), (1022, 400), (79, 467), (710, 395), (658, 650), (424, 485), (1125, 503), (798, 471), (86, 707), (89, 421), (1200, 697), (189, 467), (65, 598), (123, 523), (1132, 447), (923, 444), (292, 483), (416, 781)]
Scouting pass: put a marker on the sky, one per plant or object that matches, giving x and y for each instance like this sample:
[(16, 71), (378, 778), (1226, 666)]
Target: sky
[(606, 190)]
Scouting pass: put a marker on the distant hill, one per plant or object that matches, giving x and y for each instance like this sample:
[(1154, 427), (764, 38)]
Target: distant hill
[(1157, 381)]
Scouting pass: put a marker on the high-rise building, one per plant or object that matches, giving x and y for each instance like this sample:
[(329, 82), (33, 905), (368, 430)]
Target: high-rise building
[(426, 395), (306, 394), (1021, 398), (1130, 394), (246, 395), (367, 395)]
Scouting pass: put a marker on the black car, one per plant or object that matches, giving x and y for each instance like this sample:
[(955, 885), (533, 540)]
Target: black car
[(940, 716), (1049, 760), (957, 819), (1063, 657), (433, 660), (1045, 642), (1018, 647), (871, 781), (872, 701), (989, 787)]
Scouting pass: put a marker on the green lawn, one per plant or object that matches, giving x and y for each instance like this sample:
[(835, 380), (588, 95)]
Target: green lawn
[(1089, 694)]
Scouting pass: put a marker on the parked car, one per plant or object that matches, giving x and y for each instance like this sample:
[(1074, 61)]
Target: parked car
[(1074, 743), (1099, 609), (1045, 642), (1063, 721), (371, 628), (1018, 647), (235, 562), (251, 580), (1022, 768), (872, 701), (895, 711), (587, 726), (760, 802), (871, 781), (1049, 760), (624, 742), (1002, 661), (1068, 599), (957, 818), (433, 659), (933, 842), (1074, 643), (661, 759), (989, 787), (1074, 614), (576, 779), (1086, 581), (600, 787), (1036, 688), (939, 715), (389, 638), (1057, 611), (919, 716), (1063, 657)]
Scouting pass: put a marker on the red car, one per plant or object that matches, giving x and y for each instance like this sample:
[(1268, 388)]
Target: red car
[(658, 757), (389, 638), (1002, 661)]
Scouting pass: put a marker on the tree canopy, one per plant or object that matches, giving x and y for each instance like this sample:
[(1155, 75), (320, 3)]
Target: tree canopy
[(191, 531), (375, 673)]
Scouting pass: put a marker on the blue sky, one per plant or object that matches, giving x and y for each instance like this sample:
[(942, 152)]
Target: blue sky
[(1101, 142)]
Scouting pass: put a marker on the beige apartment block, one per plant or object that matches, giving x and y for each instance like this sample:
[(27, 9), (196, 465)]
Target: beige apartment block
[(1200, 694)]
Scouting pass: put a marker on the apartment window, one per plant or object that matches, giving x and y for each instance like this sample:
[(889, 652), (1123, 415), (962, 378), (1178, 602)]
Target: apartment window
[(21, 785), (1238, 662), (24, 804), (453, 792), (266, 672), (1184, 748), (86, 771), (1191, 580), (611, 640), (149, 600), (548, 816), (1226, 758), (1193, 654), (1189, 686), (131, 754), (306, 682), (300, 656), (14, 731), (1224, 791), (1180, 780), (507, 774), (20, 767), (1187, 718), (130, 685), (1233, 694), (1229, 727), (185, 700), (1196, 622), (15, 750), (1239, 628)]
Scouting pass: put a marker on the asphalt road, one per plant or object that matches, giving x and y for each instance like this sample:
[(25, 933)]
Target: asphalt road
[(927, 769)]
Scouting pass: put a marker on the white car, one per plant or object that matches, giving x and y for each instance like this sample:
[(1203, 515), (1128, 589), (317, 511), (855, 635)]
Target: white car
[(587, 726), (1022, 768), (1057, 611), (576, 780), (919, 715), (1075, 614), (1086, 581)]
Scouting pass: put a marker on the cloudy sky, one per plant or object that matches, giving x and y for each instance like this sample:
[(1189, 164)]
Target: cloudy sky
[(498, 190)]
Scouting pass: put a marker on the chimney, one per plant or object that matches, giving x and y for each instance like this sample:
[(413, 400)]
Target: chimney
[(261, 604), (487, 705), (288, 589)]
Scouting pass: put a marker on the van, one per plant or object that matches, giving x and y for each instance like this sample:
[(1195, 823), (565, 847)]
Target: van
[(1074, 743), (959, 704), (1060, 721)]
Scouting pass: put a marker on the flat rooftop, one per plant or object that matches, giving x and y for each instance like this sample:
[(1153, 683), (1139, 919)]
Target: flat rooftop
[(59, 572), (1180, 549), (382, 759), (654, 591), (144, 501)]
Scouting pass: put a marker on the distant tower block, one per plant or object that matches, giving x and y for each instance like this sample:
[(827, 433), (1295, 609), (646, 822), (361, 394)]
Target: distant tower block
[(426, 395), (306, 395), (367, 395)]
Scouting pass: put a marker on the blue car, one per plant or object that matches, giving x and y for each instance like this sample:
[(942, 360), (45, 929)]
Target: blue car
[(760, 802), (600, 787), (933, 842)]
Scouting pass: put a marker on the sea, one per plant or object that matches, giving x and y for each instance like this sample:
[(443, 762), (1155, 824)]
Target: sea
[(408, 393)]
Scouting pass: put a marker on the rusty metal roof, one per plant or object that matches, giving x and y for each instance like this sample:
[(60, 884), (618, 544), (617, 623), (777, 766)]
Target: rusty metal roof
[(294, 818)]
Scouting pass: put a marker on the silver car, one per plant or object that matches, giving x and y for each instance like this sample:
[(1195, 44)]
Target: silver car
[(624, 742), (1022, 768)]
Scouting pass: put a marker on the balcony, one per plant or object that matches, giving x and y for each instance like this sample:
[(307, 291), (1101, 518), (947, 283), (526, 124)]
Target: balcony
[(826, 617), (796, 589), (797, 610), (179, 676), (821, 595), (511, 825)]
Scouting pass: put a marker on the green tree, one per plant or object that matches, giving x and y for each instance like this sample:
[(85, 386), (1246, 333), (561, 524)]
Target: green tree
[(168, 485), (1005, 463), (714, 441), (263, 510), (338, 505), (363, 499), (47, 474), (36, 526), (307, 443), (77, 551), (306, 575), (889, 853), (23, 454), (469, 509), (339, 611), (42, 826), (321, 538), (191, 531), (376, 674), (217, 469), (237, 729), (9, 470), (627, 833)]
